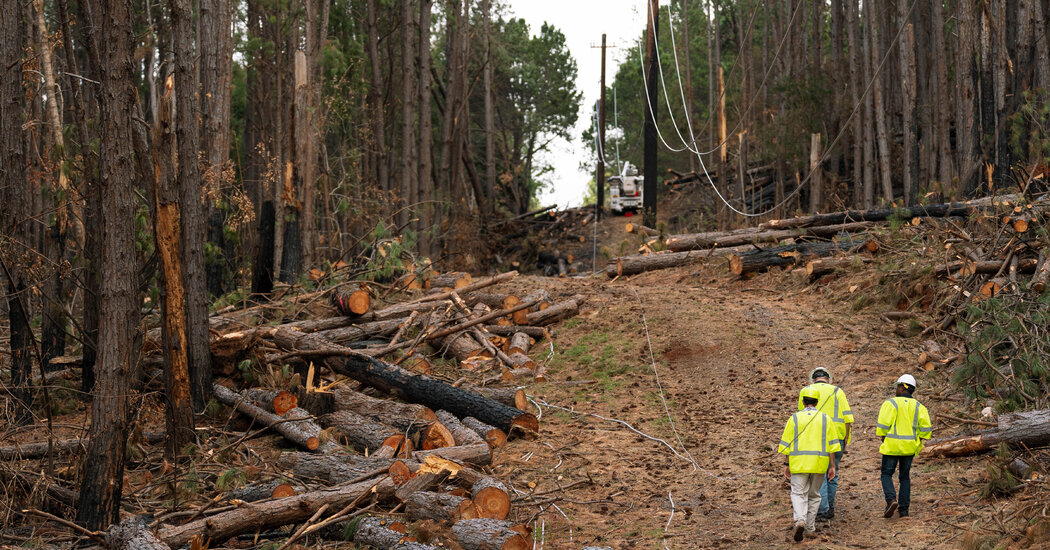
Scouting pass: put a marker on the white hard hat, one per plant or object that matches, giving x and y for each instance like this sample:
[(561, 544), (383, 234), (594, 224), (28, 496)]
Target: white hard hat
[(907, 379), (812, 374)]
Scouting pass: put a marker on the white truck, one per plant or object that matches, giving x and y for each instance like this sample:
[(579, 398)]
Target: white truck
[(625, 190)]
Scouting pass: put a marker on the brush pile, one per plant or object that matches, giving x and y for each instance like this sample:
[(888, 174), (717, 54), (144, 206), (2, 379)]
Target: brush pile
[(551, 241)]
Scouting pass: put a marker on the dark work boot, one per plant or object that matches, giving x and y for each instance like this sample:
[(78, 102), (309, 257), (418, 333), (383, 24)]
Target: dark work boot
[(891, 507), (903, 512)]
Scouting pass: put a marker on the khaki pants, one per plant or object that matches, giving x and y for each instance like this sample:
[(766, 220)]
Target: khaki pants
[(805, 498)]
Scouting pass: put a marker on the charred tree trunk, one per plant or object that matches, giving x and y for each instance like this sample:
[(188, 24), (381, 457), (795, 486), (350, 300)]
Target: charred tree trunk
[(103, 475), (415, 388), (216, 79), (14, 202)]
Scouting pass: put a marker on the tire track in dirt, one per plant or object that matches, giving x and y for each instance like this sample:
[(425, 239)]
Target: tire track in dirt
[(732, 363)]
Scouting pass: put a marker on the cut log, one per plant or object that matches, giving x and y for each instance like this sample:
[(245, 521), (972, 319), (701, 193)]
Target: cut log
[(276, 401), (794, 254), (1042, 274), (488, 534), (495, 437), (633, 265), (1030, 428), (441, 507), (414, 388), (133, 534), (29, 451), (521, 375), (426, 478), (375, 532), (462, 434), (521, 361), (301, 430), (557, 312), (464, 348), (991, 287), (487, 282), (536, 333), (519, 343), (991, 267), (822, 266), (878, 215), (704, 241), (491, 299), (364, 331), (482, 319), (396, 414), (262, 516), (399, 311), (639, 229), (352, 302), (259, 491), (331, 468), (513, 397), (491, 497), (478, 455), (454, 280), (363, 433)]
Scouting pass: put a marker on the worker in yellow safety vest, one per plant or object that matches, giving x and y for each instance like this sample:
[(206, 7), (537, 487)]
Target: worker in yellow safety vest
[(903, 423), (833, 403), (809, 439)]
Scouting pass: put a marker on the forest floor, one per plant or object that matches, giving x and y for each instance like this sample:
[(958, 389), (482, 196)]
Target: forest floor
[(688, 366), (729, 358)]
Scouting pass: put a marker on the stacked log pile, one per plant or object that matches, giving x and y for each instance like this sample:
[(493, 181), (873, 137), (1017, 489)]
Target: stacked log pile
[(365, 432), (795, 242)]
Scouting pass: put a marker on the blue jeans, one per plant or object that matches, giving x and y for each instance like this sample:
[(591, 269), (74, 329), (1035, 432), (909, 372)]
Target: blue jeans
[(889, 464), (829, 488)]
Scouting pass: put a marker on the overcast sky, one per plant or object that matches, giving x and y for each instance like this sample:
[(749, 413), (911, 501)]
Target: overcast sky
[(583, 22)]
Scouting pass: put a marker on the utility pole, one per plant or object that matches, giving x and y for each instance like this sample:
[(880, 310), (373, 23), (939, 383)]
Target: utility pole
[(599, 178), (649, 196)]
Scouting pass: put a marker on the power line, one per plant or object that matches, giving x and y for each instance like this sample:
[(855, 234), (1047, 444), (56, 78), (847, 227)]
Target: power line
[(831, 145)]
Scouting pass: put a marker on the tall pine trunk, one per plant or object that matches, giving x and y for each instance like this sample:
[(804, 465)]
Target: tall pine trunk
[(216, 77), (100, 491), (193, 223)]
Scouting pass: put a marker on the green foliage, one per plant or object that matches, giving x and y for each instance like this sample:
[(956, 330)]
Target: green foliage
[(230, 479), (1001, 482), (1030, 127), (1007, 350)]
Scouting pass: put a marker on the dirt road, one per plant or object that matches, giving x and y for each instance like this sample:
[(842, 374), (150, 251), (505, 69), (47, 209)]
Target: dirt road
[(731, 358)]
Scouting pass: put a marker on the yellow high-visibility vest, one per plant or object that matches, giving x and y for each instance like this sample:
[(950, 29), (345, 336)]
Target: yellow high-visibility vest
[(833, 403), (904, 422), (808, 441)]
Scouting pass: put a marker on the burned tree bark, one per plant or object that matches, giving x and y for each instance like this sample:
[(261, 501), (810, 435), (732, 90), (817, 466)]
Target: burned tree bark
[(415, 388), (103, 475)]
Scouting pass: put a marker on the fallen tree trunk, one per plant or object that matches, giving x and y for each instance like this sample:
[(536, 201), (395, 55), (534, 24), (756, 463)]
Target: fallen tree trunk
[(454, 280), (301, 430), (1030, 428), (374, 532), (488, 534), (703, 241), (512, 397), (331, 468), (487, 282), (761, 260), (260, 516), (538, 333), (495, 437), (461, 433), (415, 388), (883, 214), (519, 343), (441, 507), (133, 534), (557, 312), (823, 266), (397, 414), (640, 263), (363, 433)]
